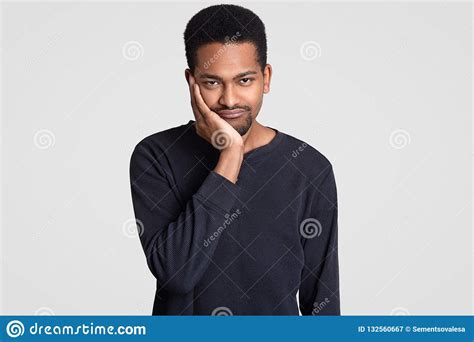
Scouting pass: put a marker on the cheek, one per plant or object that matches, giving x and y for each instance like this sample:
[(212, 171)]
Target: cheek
[(253, 98), (210, 97), (251, 95)]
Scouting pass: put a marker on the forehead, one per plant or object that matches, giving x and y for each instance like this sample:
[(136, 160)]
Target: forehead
[(226, 60)]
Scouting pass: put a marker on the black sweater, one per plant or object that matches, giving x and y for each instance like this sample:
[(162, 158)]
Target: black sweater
[(219, 248)]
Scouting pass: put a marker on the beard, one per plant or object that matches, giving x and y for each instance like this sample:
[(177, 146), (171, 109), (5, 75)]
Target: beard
[(244, 127)]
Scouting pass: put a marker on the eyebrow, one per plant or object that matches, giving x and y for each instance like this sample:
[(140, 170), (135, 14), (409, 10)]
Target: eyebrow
[(242, 74)]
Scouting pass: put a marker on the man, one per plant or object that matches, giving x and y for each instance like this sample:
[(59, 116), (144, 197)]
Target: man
[(235, 218)]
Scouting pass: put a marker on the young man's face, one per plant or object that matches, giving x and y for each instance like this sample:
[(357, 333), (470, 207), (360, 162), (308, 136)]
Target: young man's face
[(231, 79)]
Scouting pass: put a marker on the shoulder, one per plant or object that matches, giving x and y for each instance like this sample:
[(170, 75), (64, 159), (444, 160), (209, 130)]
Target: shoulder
[(154, 147), (307, 159), (314, 167), (163, 139)]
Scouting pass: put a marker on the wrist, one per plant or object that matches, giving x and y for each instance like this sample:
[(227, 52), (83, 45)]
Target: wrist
[(233, 151)]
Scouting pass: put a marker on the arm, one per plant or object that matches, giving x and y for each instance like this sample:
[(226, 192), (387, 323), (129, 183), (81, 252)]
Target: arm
[(173, 236), (319, 287)]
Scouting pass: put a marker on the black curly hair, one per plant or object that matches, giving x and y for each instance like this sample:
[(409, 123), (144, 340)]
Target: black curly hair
[(221, 23)]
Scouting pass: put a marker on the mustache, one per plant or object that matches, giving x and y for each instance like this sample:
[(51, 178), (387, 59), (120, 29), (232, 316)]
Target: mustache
[(217, 110)]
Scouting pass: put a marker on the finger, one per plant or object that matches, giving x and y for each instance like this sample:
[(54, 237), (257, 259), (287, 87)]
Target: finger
[(191, 86), (197, 114), (201, 105)]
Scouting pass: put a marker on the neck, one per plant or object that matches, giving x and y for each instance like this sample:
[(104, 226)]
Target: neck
[(258, 135)]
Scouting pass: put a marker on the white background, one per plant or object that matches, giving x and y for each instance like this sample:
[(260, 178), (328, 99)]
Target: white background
[(387, 99)]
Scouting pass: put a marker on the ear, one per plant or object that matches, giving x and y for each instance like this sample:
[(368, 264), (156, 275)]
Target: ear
[(187, 72), (267, 76)]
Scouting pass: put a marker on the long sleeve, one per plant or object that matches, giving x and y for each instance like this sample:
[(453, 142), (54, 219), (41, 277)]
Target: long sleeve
[(172, 236), (319, 287)]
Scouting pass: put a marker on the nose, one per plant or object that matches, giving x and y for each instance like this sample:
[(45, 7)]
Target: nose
[(228, 97)]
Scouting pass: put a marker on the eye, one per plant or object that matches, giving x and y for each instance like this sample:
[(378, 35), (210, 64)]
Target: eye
[(246, 80), (211, 83)]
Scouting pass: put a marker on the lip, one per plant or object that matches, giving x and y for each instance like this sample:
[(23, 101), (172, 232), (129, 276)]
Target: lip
[(231, 114)]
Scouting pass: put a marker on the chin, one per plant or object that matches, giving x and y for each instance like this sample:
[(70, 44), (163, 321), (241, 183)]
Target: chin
[(242, 125)]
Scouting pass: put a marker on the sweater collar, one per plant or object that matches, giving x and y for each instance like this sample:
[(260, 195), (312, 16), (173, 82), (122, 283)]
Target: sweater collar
[(254, 154)]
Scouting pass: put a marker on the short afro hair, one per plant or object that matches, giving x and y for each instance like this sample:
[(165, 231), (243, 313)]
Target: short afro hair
[(219, 23)]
